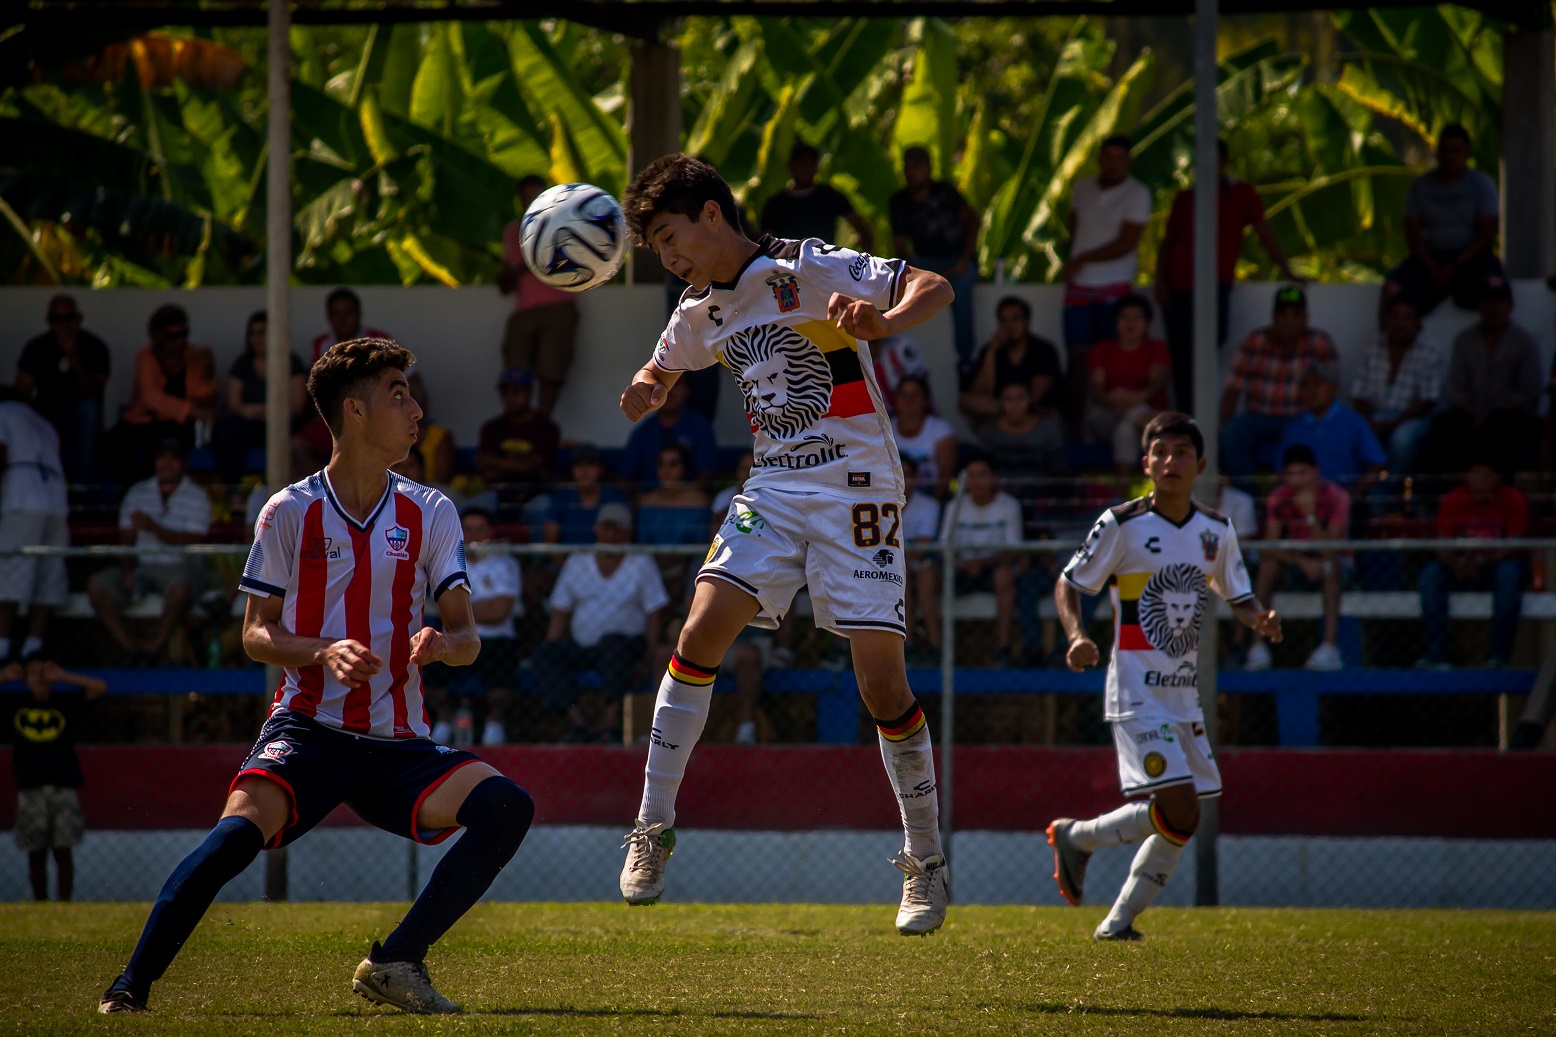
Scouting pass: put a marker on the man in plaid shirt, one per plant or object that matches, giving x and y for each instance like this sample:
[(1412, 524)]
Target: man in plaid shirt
[(1264, 377), (1400, 380)]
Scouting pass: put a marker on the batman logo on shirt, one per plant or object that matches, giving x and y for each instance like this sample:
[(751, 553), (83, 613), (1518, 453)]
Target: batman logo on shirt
[(40, 724)]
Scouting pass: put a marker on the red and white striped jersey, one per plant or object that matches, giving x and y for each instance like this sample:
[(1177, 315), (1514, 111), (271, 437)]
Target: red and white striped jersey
[(363, 581)]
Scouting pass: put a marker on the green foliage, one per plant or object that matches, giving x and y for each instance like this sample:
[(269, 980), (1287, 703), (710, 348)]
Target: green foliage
[(406, 140)]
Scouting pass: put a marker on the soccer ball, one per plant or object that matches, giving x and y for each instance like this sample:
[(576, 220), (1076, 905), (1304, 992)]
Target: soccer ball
[(574, 237)]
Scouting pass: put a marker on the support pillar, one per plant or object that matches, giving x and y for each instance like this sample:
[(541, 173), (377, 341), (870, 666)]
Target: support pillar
[(653, 127), (1528, 152)]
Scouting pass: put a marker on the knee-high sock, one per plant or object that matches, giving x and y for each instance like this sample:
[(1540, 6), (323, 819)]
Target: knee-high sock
[(680, 711), (495, 814), (1130, 823), (1152, 866), (230, 847), (910, 763)]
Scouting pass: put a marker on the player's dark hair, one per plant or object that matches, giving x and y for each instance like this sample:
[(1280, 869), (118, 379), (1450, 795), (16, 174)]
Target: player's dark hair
[(1136, 301), (1118, 140), (1299, 453), (351, 368), (168, 315), (680, 450), (1453, 131), (342, 293), (803, 150), (676, 184), (1173, 423), (1014, 300)]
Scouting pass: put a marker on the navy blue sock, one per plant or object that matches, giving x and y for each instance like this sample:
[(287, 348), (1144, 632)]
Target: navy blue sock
[(232, 846), (496, 815)]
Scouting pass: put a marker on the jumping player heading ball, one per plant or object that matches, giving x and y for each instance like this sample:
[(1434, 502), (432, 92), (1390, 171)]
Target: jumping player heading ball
[(822, 507), (1162, 554)]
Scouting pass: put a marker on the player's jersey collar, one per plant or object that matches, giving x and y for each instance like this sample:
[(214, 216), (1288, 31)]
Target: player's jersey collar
[(1193, 510), (372, 518), (766, 245)]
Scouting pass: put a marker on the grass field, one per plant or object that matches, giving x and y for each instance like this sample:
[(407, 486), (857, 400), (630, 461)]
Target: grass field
[(778, 969)]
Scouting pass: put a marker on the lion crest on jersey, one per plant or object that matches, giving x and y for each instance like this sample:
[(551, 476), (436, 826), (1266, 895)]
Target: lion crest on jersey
[(785, 379), (1170, 608)]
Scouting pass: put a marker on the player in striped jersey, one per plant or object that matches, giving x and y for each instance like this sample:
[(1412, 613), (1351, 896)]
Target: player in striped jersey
[(336, 580), (822, 506), (1162, 554)]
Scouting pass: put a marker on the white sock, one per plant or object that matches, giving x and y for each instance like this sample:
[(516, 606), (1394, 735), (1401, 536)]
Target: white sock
[(680, 711), (910, 764), (1130, 823), (1152, 866), (31, 646)]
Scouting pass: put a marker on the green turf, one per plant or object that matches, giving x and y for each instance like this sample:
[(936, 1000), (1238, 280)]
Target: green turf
[(780, 969)]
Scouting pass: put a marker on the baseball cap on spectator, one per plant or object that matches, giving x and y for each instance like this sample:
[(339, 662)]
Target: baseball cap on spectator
[(1290, 296), (616, 515), (1496, 287), (514, 376)]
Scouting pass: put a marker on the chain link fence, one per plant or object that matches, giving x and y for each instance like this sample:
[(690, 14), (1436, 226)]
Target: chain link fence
[(1368, 759)]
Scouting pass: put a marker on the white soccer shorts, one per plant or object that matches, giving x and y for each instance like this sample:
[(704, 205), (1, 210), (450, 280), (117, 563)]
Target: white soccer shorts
[(1154, 752), (848, 551)]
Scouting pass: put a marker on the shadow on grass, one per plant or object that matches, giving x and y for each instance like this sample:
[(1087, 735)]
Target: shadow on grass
[(570, 1012), (1227, 1014)]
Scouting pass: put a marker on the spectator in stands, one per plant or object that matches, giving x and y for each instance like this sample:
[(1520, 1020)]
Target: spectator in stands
[(242, 427), (33, 513), (518, 447), (1127, 383), (1022, 443), (920, 532), (1305, 506), (754, 650), (63, 373), (934, 228), (1014, 354), (606, 613), (1492, 390), (674, 512), (987, 518), (719, 510), (924, 436), (45, 727), (1340, 438), (435, 441), (175, 390), (343, 310), (1450, 228), (810, 209), (896, 357), (1399, 384), (675, 422), (1264, 377), (1238, 208), (1108, 212), (168, 508), (1483, 507), (575, 506), (495, 588), (542, 330)]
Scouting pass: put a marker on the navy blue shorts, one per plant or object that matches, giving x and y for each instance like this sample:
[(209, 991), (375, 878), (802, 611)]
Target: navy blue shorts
[(383, 782)]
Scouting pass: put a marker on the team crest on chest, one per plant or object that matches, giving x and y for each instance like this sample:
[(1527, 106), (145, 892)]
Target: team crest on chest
[(397, 537), (786, 289), (1211, 542)]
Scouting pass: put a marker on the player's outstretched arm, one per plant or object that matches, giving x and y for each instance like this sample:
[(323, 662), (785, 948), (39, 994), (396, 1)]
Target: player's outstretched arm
[(924, 294), (648, 391), (1083, 650), (267, 641), (1252, 613), (457, 644)]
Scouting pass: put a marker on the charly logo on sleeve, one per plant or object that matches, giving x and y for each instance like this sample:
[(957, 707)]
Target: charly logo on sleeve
[(786, 381)]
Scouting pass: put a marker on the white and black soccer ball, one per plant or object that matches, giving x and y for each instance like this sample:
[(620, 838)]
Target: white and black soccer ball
[(574, 237)]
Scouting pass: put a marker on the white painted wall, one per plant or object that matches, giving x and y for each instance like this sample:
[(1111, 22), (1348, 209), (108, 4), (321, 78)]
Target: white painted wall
[(457, 334)]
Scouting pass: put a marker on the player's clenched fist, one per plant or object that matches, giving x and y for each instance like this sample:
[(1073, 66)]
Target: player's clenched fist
[(352, 662), (427, 646), (642, 397), (1083, 653), (859, 319)]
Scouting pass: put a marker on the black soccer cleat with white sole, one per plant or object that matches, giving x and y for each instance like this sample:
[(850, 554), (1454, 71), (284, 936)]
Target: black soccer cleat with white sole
[(1069, 861), (1128, 934), (120, 998)]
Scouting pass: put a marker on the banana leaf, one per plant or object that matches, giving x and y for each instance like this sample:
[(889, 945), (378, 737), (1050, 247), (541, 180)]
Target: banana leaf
[(927, 114)]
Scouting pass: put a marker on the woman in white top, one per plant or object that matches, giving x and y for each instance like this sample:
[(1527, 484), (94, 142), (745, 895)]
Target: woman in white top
[(927, 438)]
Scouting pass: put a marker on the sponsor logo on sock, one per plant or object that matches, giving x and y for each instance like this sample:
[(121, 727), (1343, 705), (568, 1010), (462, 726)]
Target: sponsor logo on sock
[(657, 738), (921, 790)]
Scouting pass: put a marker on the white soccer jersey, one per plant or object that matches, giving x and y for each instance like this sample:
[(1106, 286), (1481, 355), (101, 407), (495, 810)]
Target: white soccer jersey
[(1159, 572), (363, 581), (810, 392)]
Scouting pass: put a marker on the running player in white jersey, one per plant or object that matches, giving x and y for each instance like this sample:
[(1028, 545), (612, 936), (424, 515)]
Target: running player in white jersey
[(1160, 554), (336, 580), (823, 505)]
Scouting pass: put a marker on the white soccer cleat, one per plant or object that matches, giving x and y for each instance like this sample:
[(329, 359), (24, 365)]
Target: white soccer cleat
[(1258, 658), (926, 892), (1325, 657), (401, 984), (648, 849)]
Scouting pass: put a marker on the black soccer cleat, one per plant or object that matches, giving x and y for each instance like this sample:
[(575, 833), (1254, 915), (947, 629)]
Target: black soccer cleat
[(1128, 934), (120, 998), (1069, 861)]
